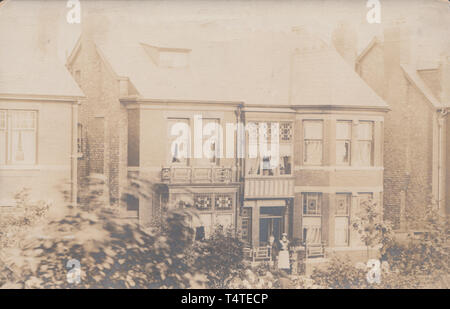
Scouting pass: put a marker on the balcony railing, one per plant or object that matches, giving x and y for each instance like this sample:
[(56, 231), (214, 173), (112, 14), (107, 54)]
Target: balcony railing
[(269, 187), (196, 174)]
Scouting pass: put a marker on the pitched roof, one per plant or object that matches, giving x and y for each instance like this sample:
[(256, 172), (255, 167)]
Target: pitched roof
[(28, 60), (322, 77), (227, 63)]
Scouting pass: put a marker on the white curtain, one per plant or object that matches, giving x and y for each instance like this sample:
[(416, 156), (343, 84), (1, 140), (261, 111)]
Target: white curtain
[(341, 231), (313, 152), (313, 235)]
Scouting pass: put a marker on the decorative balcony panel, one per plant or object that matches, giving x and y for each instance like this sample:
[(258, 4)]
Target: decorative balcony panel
[(191, 175), (269, 187)]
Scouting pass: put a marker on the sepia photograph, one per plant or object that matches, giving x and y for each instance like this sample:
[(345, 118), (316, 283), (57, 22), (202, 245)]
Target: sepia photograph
[(222, 147)]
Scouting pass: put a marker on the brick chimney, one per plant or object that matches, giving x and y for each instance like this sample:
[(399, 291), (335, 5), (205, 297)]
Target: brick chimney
[(345, 40)]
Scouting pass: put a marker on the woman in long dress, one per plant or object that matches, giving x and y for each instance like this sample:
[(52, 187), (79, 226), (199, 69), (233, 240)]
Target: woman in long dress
[(283, 255)]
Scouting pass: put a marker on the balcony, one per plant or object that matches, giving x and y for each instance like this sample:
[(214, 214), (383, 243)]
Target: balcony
[(281, 186), (192, 175)]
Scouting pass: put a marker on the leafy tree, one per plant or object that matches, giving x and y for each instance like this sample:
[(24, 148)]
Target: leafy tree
[(370, 225)]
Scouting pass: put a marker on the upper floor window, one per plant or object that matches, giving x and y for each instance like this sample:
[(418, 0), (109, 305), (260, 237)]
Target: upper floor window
[(179, 137), (174, 59), (211, 140), (365, 143), (270, 148), (18, 137), (313, 142), (343, 142)]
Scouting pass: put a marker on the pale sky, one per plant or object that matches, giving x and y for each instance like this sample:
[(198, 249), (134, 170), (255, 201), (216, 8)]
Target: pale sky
[(431, 18)]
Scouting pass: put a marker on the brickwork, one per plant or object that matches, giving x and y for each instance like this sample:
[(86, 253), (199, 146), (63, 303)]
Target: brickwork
[(103, 118)]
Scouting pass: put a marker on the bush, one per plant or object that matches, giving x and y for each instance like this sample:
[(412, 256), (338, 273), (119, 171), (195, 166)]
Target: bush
[(220, 258), (340, 273), (112, 254)]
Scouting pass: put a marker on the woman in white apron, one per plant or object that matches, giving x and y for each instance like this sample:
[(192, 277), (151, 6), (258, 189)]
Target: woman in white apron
[(283, 255)]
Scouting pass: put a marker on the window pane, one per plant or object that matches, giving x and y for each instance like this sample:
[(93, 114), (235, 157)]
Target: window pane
[(23, 147), (342, 204), (313, 129), (2, 120), (23, 120), (342, 152), (202, 225), (343, 130), (2, 147), (225, 220), (365, 152), (285, 132), (311, 204), (312, 234), (341, 231), (211, 140), (365, 130), (179, 140), (285, 165), (313, 152)]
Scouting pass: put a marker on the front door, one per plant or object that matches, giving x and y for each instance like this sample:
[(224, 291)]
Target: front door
[(269, 227), (271, 223)]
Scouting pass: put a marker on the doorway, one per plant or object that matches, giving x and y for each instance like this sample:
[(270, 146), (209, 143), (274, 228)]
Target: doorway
[(271, 223)]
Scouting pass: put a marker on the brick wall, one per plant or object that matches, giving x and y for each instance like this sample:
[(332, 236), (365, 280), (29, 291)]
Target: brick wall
[(408, 131), (103, 118)]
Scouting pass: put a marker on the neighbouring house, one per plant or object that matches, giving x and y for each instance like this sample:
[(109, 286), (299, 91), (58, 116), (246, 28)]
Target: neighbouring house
[(410, 69), (38, 111), (151, 89)]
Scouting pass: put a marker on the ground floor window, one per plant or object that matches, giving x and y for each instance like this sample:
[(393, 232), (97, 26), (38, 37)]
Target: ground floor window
[(214, 210), (341, 219), (18, 137), (312, 217)]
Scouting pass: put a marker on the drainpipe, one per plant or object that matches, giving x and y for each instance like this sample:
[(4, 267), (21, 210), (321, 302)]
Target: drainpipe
[(74, 156), (441, 127)]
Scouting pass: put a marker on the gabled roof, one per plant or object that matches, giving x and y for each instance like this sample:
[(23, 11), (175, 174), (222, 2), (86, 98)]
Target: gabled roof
[(414, 78), (29, 65)]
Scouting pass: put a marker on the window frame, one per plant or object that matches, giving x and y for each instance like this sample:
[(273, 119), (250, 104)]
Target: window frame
[(256, 165), (213, 211), (346, 215), (348, 139), (359, 141), (186, 161), (207, 161), (305, 140), (305, 200), (9, 130)]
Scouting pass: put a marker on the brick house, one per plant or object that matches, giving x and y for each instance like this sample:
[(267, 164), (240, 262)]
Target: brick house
[(143, 82), (37, 149), (411, 73)]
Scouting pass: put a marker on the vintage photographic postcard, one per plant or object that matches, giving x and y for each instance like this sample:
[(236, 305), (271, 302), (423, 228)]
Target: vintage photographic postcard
[(224, 145)]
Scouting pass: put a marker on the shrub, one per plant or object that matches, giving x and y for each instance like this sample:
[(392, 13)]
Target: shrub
[(220, 257), (340, 273)]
